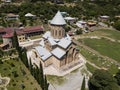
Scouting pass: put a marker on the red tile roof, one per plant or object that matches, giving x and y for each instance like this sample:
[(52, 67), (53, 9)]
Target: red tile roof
[(9, 31), (7, 35), (2, 30), (33, 29)]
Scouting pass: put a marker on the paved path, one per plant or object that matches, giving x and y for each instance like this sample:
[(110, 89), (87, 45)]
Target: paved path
[(73, 81)]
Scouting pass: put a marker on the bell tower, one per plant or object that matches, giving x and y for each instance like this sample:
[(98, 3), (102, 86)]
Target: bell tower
[(57, 25)]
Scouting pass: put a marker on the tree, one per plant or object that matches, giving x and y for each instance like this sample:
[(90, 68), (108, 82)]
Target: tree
[(79, 31), (24, 58), (67, 28), (30, 66), (117, 76), (41, 76), (23, 20), (38, 74), (1, 52), (117, 25), (15, 41), (102, 80), (83, 84), (46, 84)]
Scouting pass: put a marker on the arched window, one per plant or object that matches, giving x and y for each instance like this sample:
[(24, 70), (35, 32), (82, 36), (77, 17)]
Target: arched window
[(59, 32), (55, 32)]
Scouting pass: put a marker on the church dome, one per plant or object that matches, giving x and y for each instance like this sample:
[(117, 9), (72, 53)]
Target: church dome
[(58, 19)]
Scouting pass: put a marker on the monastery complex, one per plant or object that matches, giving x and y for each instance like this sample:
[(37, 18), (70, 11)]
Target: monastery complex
[(56, 47)]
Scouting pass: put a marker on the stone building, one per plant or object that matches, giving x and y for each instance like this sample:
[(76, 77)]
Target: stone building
[(22, 35), (56, 47)]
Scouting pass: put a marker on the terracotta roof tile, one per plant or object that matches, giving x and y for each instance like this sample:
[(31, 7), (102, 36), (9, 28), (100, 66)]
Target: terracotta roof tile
[(9, 31)]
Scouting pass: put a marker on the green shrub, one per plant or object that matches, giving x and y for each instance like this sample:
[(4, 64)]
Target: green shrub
[(78, 32), (117, 25)]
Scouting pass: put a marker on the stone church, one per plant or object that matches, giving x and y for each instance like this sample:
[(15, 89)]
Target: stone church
[(56, 47)]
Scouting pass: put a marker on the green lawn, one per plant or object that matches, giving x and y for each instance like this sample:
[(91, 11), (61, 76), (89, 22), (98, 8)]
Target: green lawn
[(98, 61), (112, 34), (105, 47), (90, 68), (105, 32), (18, 74), (55, 79)]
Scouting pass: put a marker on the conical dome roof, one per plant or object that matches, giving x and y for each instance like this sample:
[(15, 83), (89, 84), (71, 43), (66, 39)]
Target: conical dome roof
[(58, 19)]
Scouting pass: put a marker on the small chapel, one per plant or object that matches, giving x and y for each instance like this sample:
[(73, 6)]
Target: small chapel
[(56, 47)]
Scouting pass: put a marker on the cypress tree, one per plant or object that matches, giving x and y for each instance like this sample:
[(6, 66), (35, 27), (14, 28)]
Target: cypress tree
[(20, 53), (41, 76), (25, 58), (37, 74), (30, 66), (15, 41), (83, 84), (46, 84)]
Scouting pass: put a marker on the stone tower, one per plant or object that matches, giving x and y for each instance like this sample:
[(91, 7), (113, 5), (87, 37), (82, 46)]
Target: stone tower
[(57, 26)]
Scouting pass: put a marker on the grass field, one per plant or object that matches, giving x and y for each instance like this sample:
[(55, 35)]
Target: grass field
[(105, 47), (18, 74), (90, 68), (98, 61), (55, 79), (112, 34), (105, 32)]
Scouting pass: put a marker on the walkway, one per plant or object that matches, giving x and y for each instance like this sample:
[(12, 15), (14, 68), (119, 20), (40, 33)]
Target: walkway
[(52, 71), (72, 81)]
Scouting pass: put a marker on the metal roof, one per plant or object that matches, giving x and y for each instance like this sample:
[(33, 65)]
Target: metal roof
[(64, 42), (42, 43), (29, 15), (44, 53), (52, 41), (58, 19), (47, 35), (59, 53)]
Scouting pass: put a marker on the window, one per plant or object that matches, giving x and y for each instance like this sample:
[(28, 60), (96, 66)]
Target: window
[(20, 38), (59, 32), (55, 32)]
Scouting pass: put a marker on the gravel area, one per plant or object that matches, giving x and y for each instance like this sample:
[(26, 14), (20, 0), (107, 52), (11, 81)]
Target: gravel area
[(73, 81)]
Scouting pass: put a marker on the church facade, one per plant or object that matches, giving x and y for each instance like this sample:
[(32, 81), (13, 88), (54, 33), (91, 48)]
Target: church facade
[(56, 47)]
